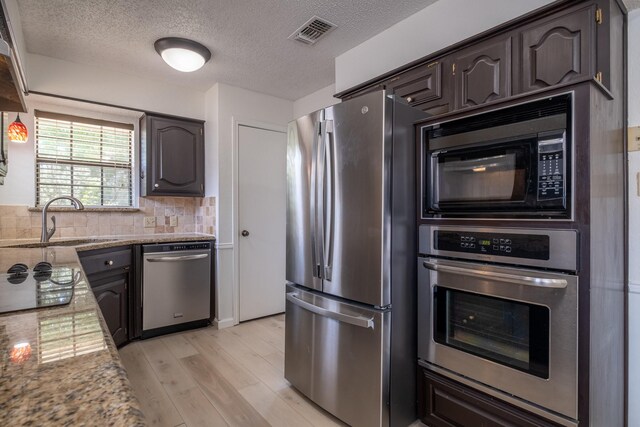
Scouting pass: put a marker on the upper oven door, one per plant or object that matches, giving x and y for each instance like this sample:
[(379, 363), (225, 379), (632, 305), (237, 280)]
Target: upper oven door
[(514, 330), (496, 177)]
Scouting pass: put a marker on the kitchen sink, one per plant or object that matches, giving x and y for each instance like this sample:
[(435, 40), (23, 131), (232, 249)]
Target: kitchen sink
[(68, 242)]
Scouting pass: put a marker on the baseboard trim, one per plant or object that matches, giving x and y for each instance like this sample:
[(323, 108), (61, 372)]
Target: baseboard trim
[(222, 324)]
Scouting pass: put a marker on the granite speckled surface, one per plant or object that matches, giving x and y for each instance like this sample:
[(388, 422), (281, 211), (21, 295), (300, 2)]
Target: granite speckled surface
[(101, 242), (59, 365)]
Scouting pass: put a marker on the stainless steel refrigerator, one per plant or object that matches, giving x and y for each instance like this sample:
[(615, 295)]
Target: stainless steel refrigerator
[(350, 333)]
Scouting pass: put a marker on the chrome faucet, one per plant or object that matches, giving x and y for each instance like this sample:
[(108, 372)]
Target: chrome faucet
[(47, 233)]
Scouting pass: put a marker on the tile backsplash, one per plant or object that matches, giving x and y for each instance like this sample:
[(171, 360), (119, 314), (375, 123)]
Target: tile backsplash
[(159, 214)]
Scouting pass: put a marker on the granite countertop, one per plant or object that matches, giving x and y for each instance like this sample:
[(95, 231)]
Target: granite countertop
[(59, 365), (100, 242)]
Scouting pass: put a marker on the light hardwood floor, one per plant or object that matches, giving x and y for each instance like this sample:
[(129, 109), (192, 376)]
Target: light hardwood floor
[(210, 377)]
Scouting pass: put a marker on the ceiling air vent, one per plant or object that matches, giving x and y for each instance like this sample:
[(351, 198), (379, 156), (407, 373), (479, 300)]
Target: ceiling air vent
[(312, 30)]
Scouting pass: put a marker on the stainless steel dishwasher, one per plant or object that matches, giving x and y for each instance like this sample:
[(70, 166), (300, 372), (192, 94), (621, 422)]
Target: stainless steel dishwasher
[(176, 287)]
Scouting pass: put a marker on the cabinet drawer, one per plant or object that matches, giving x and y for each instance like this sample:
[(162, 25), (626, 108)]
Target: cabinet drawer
[(423, 84), (445, 403), (105, 260)]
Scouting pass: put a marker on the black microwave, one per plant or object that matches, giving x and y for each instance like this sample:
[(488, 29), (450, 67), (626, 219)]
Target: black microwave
[(513, 162)]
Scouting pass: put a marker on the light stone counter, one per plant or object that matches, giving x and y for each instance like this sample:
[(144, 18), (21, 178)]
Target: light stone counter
[(59, 365)]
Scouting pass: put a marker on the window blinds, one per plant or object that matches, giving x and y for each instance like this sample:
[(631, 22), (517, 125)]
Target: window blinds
[(85, 158)]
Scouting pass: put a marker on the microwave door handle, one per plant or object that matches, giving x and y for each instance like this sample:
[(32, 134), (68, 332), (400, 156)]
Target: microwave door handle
[(361, 321), (539, 282), (329, 146)]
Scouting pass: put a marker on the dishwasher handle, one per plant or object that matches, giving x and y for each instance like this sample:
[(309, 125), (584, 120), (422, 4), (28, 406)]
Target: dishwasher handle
[(177, 258)]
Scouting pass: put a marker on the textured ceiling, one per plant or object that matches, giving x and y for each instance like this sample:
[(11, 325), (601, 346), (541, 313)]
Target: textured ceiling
[(248, 38), (632, 4)]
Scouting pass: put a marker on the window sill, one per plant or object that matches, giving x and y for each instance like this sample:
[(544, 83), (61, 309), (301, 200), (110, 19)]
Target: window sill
[(88, 209)]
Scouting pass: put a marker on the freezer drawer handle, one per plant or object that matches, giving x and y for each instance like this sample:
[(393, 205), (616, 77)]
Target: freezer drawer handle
[(363, 322), (501, 277), (177, 258)]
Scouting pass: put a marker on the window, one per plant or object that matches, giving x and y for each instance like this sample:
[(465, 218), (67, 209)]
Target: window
[(84, 158)]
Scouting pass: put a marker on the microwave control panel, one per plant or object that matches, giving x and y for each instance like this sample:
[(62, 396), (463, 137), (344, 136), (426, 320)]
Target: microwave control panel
[(531, 246), (551, 168)]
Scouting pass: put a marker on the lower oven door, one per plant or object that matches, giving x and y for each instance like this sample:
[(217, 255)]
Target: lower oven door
[(514, 330)]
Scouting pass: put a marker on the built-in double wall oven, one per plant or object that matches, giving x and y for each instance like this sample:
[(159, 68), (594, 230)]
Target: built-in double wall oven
[(512, 162), (498, 305)]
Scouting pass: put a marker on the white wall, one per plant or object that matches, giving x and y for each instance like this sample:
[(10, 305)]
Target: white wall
[(211, 131), (634, 222), (435, 27), (235, 105), (19, 184), (59, 77), (315, 101)]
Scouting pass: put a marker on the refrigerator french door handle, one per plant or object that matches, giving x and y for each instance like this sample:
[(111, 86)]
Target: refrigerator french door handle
[(320, 190), (499, 277), (361, 321), (330, 208), (314, 201)]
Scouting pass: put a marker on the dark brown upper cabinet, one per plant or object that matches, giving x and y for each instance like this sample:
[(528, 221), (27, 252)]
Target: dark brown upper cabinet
[(171, 156), (423, 87), (482, 73), (561, 44), (558, 50)]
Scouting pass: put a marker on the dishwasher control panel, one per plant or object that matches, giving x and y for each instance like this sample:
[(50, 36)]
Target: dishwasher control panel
[(174, 247)]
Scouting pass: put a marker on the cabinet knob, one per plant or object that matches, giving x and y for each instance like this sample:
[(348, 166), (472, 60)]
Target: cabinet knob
[(244, 233), (156, 185), (409, 99), (110, 262)]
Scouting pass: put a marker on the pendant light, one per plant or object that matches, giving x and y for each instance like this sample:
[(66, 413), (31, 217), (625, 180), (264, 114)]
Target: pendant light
[(182, 54), (18, 131)]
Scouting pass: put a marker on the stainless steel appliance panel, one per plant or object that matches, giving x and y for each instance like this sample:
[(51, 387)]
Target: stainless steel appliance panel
[(304, 202), (176, 287), (334, 354), (557, 292), (562, 246), (357, 179)]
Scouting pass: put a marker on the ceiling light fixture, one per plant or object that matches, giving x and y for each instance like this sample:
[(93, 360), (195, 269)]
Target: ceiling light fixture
[(18, 131), (182, 54)]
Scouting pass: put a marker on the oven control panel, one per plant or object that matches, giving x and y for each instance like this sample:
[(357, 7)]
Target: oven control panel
[(531, 246)]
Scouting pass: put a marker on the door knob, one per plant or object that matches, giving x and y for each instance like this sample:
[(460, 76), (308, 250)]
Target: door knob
[(244, 233)]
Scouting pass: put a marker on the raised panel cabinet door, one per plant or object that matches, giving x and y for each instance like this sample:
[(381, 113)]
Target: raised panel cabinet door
[(419, 85), (558, 50), (178, 157), (482, 73), (112, 300)]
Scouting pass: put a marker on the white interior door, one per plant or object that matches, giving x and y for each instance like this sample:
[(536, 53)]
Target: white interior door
[(261, 221)]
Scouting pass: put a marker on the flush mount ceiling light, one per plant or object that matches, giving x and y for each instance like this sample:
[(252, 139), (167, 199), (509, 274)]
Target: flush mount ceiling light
[(182, 54)]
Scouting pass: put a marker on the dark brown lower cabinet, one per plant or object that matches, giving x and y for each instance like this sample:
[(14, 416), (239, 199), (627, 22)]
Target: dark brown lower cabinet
[(446, 403), (111, 294), (109, 272)]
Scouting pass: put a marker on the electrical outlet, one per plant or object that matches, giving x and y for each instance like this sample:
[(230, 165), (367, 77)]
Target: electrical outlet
[(634, 138), (173, 221), (149, 221)]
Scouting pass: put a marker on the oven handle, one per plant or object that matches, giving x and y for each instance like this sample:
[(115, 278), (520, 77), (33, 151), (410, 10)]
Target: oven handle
[(501, 277)]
